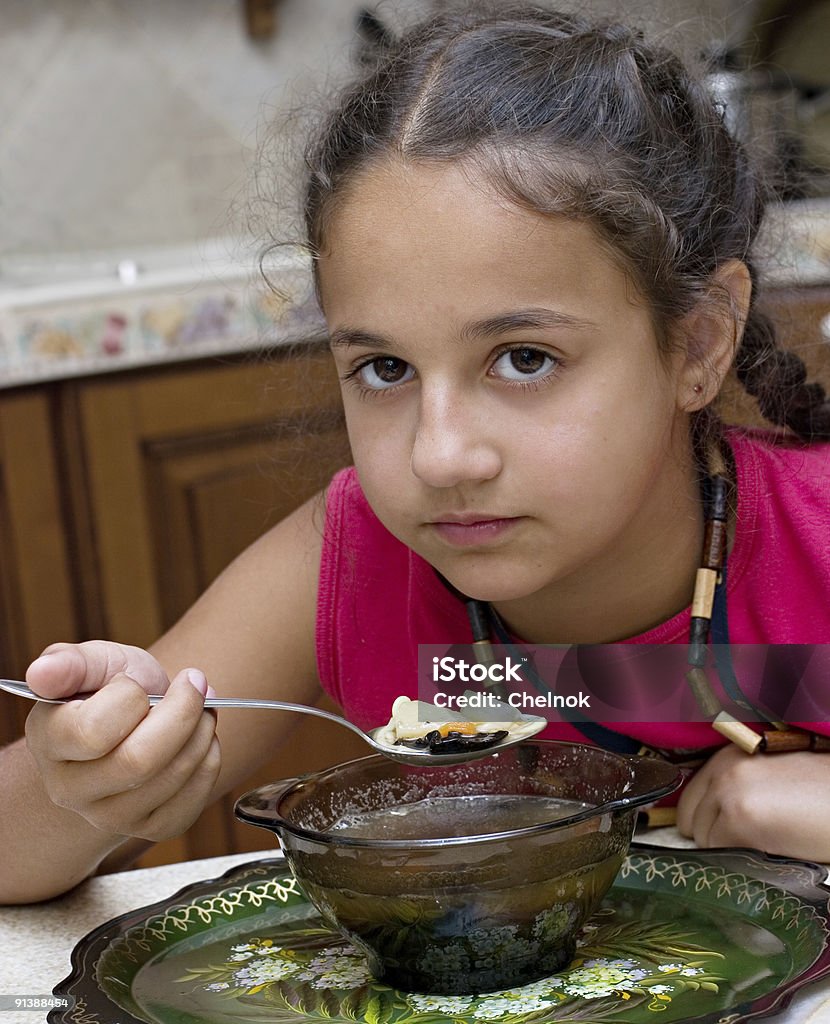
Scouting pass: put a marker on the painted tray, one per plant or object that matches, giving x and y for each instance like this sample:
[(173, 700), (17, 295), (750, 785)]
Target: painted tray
[(684, 935)]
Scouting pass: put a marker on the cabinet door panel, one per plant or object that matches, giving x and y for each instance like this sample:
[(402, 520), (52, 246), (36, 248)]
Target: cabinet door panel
[(211, 499)]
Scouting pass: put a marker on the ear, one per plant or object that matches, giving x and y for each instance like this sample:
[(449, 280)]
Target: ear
[(710, 335)]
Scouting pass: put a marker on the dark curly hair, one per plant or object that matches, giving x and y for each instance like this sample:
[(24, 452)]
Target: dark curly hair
[(586, 119)]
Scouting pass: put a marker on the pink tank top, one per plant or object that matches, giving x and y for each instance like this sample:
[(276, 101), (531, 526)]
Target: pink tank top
[(378, 600)]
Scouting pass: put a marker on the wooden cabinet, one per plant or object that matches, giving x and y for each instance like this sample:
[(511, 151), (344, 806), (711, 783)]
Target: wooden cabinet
[(180, 470), (123, 496)]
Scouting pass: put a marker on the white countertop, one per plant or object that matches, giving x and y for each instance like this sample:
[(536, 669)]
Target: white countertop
[(36, 941)]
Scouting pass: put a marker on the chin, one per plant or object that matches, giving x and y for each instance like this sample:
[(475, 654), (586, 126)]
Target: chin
[(490, 586)]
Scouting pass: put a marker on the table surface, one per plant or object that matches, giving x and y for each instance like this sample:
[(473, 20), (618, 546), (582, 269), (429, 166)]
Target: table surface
[(36, 940)]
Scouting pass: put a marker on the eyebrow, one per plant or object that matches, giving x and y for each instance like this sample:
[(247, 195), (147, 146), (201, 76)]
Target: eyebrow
[(521, 319), (503, 323)]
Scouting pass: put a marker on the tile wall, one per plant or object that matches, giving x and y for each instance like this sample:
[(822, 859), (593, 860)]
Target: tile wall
[(129, 123)]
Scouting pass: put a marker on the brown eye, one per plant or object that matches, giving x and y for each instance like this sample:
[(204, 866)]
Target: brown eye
[(523, 363), (527, 360), (384, 372), (390, 371)]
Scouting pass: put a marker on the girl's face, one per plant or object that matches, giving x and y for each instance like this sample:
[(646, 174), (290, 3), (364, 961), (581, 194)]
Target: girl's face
[(510, 417)]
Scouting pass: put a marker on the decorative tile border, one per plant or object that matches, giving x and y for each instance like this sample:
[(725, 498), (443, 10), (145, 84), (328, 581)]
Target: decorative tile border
[(136, 326)]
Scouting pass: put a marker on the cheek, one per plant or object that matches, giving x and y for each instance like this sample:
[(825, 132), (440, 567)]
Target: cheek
[(372, 433), (379, 451), (631, 407), (600, 445)]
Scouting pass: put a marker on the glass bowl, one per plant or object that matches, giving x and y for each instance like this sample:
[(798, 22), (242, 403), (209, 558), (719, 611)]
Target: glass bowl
[(467, 878)]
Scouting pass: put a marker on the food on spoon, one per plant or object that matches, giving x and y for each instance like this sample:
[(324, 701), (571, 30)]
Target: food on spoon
[(409, 728)]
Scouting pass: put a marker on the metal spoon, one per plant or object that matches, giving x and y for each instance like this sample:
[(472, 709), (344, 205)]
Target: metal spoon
[(408, 755)]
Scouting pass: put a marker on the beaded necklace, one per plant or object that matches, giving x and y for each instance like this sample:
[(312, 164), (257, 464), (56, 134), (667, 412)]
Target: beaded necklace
[(708, 624)]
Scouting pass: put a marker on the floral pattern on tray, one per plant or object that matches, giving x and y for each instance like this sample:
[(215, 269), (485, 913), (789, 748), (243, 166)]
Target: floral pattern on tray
[(297, 980), (704, 936)]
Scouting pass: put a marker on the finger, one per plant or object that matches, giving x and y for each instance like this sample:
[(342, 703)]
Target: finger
[(141, 759), (700, 805), (690, 797), (172, 817), (179, 813), (89, 729), (86, 730), (65, 669), (171, 778), (705, 820), (157, 737), (165, 730), (722, 832)]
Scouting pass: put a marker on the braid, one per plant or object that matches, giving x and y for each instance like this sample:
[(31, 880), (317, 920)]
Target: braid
[(777, 380)]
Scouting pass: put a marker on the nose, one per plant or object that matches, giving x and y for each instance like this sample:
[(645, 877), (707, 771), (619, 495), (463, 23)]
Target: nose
[(454, 442)]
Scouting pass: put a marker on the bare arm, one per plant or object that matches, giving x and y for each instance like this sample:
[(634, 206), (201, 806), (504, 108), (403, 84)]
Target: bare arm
[(105, 777)]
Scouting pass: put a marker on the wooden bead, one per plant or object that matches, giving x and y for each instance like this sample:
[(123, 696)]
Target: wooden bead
[(780, 741), (704, 694), (714, 544), (738, 733), (485, 655), (783, 741), (704, 596)]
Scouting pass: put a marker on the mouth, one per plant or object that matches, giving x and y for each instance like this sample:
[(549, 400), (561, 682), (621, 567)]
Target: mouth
[(473, 529)]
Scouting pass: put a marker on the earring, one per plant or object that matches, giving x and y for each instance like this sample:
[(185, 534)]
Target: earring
[(698, 389)]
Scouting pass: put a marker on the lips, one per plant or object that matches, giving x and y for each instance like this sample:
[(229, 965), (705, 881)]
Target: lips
[(468, 518), (471, 529)]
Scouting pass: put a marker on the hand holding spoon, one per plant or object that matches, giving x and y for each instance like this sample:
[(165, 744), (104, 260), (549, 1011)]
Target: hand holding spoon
[(421, 756)]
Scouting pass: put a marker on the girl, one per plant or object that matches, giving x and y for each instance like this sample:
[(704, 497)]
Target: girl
[(532, 245)]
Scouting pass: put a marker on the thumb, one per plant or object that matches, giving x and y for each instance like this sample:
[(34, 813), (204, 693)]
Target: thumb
[(66, 669)]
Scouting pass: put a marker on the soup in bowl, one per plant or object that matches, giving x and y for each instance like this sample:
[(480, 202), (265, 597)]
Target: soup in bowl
[(466, 878)]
